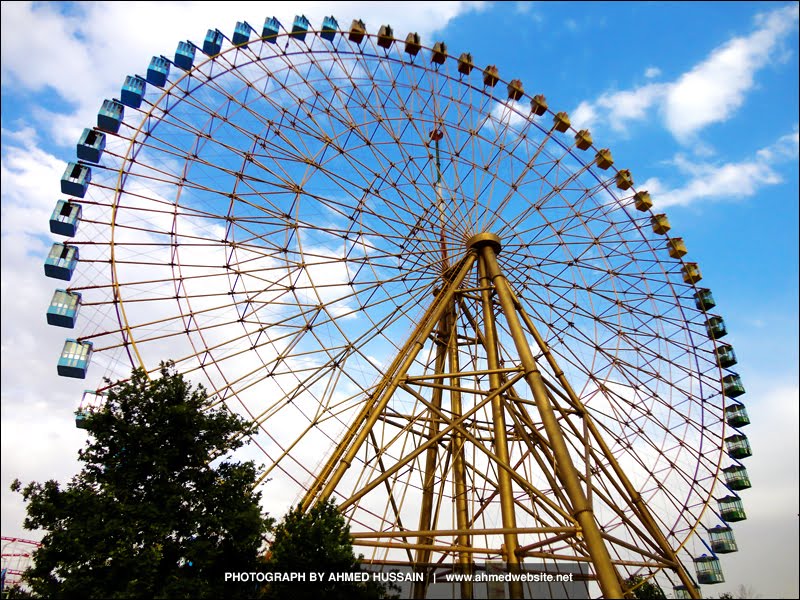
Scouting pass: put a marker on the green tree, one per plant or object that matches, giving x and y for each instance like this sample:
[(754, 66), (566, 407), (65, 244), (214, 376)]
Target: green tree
[(16, 592), (642, 589), (317, 541), (157, 510)]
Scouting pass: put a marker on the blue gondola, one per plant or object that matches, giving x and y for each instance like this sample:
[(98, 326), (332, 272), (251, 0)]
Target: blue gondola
[(65, 218), (329, 28), (272, 28), (63, 309), (731, 509), (213, 42), (75, 358), (300, 27), (110, 116), (708, 570), (722, 540), (158, 71), (738, 446), (75, 180), (241, 33), (61, 261), (736, 478), (184, 55), (132, 91), (91, 145), (736, 415)]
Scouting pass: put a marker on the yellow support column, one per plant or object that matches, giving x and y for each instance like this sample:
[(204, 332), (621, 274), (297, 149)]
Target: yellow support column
[(488, 245), (507, 511), (459, 470), (423, 554)]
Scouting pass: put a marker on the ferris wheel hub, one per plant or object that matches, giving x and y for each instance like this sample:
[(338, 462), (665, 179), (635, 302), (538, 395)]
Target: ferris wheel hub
[(479, 240)]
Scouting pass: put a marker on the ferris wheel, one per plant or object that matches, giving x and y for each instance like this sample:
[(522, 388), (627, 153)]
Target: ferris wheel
[(17, 556), (445, 308)]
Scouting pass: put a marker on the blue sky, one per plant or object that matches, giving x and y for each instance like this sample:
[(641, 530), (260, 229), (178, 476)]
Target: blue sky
[(699, 100)]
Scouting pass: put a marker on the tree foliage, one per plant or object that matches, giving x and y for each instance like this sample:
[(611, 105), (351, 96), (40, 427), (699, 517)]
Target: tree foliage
[(743, 591), (16, 592), (642, 589), (317, 541), (151, 514)]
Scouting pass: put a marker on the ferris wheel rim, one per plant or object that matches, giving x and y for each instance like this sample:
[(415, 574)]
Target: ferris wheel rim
[(419, 283)]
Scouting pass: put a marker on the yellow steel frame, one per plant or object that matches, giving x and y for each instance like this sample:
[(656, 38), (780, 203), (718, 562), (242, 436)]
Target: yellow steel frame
[(571, 488)]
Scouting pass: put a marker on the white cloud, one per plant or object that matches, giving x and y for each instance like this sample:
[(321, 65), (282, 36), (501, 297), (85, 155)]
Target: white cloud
[(652, 72), (527, 9), (94, 51), (508, 114), (629, 105), (713, 90), (39, 437), (785, 148), (29, 35), (710, 92), (34, 176), (733, 180), (585, 116)]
